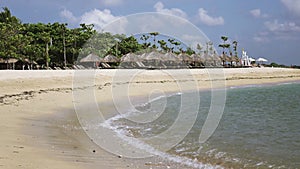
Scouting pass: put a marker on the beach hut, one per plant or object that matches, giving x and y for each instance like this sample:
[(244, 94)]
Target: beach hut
[(91, 61)]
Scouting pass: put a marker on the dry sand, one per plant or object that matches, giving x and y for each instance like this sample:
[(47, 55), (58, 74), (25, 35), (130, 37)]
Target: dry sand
[(39, 128)]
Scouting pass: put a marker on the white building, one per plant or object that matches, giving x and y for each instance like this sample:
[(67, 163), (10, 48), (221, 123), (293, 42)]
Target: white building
[(245, 59)]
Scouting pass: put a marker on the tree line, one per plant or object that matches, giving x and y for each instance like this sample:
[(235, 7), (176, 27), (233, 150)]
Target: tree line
[(39, 42), (55, 44)]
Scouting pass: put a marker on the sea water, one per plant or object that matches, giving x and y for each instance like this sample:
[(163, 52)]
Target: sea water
[(260, 128)]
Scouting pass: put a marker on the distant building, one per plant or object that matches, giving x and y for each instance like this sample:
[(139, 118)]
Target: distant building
[(245, 59)]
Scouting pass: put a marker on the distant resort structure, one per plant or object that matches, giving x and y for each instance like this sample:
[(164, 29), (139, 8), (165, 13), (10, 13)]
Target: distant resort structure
[(159, 60), (149, 60)]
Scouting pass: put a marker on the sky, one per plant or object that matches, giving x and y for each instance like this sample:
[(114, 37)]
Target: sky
[(263, 28)]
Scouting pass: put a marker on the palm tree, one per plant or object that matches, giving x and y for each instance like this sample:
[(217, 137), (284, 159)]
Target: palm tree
[(154, 34), (145, 38), (236, 58), (171, 42), (162, 44), (199, 48), (224, 46), (176, 43)]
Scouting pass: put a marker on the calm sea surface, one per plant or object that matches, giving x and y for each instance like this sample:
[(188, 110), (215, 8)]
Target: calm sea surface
[(260, 128)]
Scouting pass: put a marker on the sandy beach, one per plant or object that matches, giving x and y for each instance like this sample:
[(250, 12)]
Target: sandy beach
[(40, 129)]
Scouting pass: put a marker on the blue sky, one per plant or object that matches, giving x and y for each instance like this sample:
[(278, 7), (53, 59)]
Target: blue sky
[(264, 28)]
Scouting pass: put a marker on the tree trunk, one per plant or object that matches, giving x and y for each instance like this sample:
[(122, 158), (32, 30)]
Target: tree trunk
[(47, 56), (65, 55)]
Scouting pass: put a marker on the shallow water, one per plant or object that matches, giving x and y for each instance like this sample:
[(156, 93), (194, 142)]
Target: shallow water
[(260, 127)]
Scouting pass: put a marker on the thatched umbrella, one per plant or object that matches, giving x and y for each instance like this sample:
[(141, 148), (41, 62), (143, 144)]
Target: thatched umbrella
[(154, 55), (8, 62), (216, 60), (130, 57), (197, 58), (209, 60), (171, 57), (111, 59), (185, 57), (92, 58), (11, 60)]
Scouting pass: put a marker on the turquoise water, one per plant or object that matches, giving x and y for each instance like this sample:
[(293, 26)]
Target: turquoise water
[(260, 128)]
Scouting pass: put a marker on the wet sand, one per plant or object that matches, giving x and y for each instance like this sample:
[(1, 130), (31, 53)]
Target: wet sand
[(39, 126)]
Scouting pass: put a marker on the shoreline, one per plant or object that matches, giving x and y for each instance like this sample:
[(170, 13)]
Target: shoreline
[(39, 122)]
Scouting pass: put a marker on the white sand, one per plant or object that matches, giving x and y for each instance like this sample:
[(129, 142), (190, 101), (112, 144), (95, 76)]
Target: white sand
[(38, 121)]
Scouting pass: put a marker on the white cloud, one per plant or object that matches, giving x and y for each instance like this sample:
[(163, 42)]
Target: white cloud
[(257, 13), (159, 7), (98, 18), (282, 31), (209, 20), (112, 2), (293, 6), (275, 26), (261, 37), (68, 15)]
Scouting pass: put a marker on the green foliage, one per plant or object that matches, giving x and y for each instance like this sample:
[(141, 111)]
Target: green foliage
[(154, 34), (40, 42), (163, 45), (145, 38), (56, 44), (224, 45), (129, 45), (189, 51), (224, 38), (235, 48), (273, 64)]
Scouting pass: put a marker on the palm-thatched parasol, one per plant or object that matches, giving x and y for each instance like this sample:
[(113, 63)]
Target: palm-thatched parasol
[(154, 55), (111, 59), (130, 57), (171, 57), (11, 60), (91, 58), (185, 57)]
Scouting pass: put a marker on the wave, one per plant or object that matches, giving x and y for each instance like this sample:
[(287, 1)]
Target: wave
[(123, 134), (122, 131)]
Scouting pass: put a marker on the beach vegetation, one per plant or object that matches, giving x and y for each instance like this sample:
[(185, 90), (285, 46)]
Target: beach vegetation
[(48, 45)]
